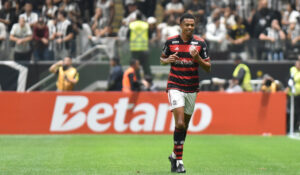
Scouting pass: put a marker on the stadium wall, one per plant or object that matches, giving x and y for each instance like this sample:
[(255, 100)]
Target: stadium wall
[(139, 113), (99, 71)]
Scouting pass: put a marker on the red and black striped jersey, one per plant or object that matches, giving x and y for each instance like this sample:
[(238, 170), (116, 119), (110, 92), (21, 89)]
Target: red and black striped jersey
[(184, 74)]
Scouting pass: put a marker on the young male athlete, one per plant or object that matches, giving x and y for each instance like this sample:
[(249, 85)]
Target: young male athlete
[(185, 53)]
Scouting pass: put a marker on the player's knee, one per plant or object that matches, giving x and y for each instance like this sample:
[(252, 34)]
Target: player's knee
[(180, 125)]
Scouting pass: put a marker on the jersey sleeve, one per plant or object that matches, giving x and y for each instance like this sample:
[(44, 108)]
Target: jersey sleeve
[(204, 51), (166, 49)]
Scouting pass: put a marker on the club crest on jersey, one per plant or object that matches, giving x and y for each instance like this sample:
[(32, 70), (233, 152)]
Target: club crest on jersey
[(175, 42)]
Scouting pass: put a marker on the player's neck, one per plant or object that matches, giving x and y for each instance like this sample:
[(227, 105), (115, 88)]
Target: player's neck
[(186, 38)]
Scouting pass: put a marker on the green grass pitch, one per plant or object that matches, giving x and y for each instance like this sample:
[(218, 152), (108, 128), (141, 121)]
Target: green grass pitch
[(147, 154)]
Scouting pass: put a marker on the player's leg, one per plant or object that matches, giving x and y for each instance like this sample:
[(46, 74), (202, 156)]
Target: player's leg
[(187, 118), (190, 99), (176, 99), (179, 138)]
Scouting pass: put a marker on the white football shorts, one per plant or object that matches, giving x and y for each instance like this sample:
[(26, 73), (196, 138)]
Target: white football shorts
[(178, 99)]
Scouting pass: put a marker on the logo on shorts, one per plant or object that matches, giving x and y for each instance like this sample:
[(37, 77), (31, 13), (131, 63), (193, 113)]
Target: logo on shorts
[(174, 102)]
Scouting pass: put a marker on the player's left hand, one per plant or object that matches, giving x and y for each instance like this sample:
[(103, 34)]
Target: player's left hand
[(194, 52)]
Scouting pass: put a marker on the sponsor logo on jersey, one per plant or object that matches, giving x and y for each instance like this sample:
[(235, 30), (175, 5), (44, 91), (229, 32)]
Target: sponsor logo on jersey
[(175, 42)]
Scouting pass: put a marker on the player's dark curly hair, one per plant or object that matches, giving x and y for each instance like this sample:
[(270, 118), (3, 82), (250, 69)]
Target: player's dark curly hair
[(186, 16)]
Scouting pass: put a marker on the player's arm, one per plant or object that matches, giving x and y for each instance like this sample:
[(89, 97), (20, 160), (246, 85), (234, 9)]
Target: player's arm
[(73, 80), (164, 59), (202, 58), (53, 68), (205, 64)]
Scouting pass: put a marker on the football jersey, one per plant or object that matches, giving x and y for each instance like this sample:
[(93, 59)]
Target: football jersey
[(184, 74)]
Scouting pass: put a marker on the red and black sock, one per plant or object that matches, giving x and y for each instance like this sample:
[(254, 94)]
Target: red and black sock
[(179, 137)]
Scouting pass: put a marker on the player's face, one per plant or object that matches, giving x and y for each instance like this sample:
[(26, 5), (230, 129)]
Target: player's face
[(67, 61), (187, 26)]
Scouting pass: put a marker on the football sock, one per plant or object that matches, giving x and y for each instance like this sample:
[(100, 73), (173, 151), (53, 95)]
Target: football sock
[(179, 136)]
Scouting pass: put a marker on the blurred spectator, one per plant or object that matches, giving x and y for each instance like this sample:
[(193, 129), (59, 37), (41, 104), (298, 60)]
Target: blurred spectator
[(294, 88), (76, 23), (29, 16), (294, 81), (274, 37), (269, 84), (37, 5), (242, 74), (69, 6), (294, 34), (237, 37), (3, 34), (260, 21), (217, 13), (51, 24), (216, 34), (108, 9), (115, 76), (175, 7), (171, 28), (7, 15), (64, 35), (139, 38), (67, 74), (262, 18), (57, 2), (154, 32), (218, 4), (86, 9), (165, 2), (49, 9), (233, 87), (297, 2), (21, 34), (40, 40), (147, 7), (245, 8), (148, 84), (132, 12), (130, 82), (196, 8), (125, 6), (99, 24), (229, 17), (290, 15)]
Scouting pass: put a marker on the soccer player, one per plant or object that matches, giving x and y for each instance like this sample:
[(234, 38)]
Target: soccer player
[(185, 52)]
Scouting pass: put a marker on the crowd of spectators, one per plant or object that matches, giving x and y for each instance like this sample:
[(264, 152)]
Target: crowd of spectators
[(48, 30)]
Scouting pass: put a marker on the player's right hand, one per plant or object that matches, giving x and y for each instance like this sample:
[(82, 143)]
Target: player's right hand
[(172, 58), (60, 63)]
